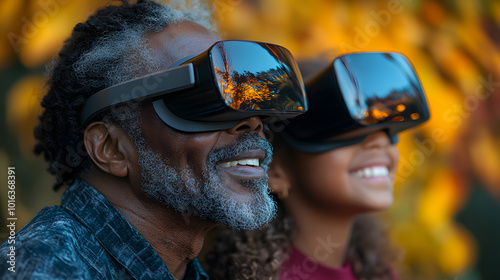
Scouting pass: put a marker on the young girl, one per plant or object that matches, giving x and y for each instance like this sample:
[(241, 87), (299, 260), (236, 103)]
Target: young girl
[(332, 165)]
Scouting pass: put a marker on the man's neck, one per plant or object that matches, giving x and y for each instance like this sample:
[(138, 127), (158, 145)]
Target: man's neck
[(177, 238)]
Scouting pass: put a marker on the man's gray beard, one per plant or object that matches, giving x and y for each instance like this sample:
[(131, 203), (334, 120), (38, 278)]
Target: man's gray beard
[(207, 198)]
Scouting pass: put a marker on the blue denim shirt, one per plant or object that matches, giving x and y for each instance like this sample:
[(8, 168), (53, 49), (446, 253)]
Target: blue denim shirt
[(84, 238)]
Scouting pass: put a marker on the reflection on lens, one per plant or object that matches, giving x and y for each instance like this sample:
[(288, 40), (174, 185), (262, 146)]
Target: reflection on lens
[(398, 119), (253, 76), (379, 88)]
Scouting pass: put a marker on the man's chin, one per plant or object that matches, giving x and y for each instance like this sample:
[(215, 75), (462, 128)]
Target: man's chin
[(252, 214)]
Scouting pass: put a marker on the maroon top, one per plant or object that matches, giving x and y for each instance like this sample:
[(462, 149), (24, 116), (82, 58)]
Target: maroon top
[(300, 266)]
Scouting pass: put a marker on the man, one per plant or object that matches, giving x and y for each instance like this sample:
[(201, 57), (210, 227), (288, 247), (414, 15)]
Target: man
[(144, 190)]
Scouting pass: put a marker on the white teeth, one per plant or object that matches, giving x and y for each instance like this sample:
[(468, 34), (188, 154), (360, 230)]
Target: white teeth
[(251, 162), (375, 171)]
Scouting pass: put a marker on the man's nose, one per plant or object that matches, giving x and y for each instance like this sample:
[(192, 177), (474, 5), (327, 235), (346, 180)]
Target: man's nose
[(248, 125)]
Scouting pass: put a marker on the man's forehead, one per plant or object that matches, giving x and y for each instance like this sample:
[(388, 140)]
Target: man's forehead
[(177, 41)]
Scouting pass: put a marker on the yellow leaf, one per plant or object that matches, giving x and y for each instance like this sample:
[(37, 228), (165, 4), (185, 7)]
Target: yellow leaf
[(438, 200), (23, 108), (457, 251), (485, 156), (49, 27)]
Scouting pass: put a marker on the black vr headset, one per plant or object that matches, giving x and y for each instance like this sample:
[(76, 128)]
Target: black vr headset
[(231, 81), (358, 94)]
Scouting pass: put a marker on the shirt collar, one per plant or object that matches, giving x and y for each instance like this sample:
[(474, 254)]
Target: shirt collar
[(117, 236)]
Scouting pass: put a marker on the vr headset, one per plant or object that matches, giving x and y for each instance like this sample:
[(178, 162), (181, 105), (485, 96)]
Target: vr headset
[(358, 94), (231, 81)]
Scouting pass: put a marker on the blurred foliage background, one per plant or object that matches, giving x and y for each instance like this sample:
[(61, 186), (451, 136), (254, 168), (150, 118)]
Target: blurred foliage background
[(447, 211)]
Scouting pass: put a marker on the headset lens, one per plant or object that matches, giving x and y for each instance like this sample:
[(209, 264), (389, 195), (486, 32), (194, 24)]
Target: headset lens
[(253, 76), (380, 88)]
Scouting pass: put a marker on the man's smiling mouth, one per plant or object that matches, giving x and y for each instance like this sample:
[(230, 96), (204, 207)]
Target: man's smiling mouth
[(245, 166), (250, 162), (251, 158), (247, 158)]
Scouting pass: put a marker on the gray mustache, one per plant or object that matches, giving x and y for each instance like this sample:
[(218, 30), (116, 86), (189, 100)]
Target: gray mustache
[(246, 142)]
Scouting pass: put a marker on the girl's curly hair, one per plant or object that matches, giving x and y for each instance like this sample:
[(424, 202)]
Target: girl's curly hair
[(256, 254), (110, 47), (259, 254)]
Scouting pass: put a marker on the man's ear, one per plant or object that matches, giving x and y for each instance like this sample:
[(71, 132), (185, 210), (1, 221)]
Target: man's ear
[(279, 180), (109, 147)]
